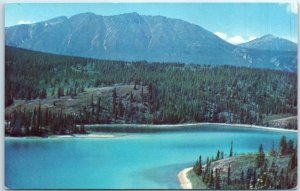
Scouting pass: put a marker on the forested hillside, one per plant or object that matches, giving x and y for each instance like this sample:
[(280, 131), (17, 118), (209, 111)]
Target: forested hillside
[(142, 92), (275, 169)]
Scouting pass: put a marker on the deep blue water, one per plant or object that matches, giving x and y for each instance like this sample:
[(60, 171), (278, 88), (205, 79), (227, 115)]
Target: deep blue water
[(132, 161)]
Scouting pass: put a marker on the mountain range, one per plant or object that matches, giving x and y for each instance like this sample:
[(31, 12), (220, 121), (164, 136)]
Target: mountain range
[(133, 37)]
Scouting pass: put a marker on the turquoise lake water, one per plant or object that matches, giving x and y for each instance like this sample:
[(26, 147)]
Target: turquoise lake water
[(150, 160)]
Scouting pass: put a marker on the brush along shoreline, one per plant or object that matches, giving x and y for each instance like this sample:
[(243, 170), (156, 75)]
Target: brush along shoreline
[(175, 127)]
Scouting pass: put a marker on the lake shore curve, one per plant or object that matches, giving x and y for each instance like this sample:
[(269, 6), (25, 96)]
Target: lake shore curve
[(185, 183)]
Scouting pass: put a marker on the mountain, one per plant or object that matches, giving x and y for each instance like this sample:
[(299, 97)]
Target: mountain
[(133, 37), (270, 42)]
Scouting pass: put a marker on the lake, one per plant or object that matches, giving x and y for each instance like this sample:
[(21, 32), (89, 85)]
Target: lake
[(148, 160)]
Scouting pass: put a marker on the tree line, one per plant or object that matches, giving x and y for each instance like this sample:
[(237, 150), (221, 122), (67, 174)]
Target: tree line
[(43, 123)]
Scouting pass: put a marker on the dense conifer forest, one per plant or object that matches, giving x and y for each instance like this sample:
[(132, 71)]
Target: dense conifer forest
[(159, 93)]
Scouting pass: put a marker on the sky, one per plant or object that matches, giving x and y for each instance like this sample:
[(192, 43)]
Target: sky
[(234, 22)]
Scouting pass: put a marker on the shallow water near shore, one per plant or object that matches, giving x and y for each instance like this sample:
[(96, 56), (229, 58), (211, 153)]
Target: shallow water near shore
[(148, 160)]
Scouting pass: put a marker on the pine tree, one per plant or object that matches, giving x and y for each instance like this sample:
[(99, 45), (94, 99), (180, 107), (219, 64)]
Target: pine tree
[(290, 147), (217, 179), (273, 167), (43, 94), (222, 155), (293, 161), (272, 152), (98, 108), (281, 182), (230, 153), (211, 179), (286, 179), (253, 180), (294, 180), (60, 92), (228, 175), (134, 87), (196, 166), (121, 107), (206, 175), (82, 129), (33, 122), (242, 177), (115, 103), (38, 120), (218, 155), (283, 145), (92, 101), (260, 159)]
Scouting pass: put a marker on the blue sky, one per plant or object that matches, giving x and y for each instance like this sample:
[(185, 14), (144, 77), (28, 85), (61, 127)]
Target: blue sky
[(234, 22)]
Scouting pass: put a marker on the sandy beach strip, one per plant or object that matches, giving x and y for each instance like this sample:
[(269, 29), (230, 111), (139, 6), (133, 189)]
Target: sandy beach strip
[(68, 136), (184, 181), (94, 135)]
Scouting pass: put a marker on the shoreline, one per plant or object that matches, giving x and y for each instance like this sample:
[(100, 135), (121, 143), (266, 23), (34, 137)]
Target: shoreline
[(185, 183), (171, 126), (90, 136)]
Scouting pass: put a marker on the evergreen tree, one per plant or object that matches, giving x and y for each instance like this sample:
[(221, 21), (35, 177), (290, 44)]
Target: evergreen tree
[(217, 179), (222, 155), (242, 177), (290, 147), (253, 180), (281, 183), (200, 166), (260, 159), (218, 155), (286, 179), (283, 145), (98, 108), (60, 92), (82, 129), (294, 181), (228, 175), (230, 152), (43, 94), (293, 161), (115, 103), (211, 179), (92, 101), (273, 168), (196, 167), (121, 107), (272, 152), (206, 175)]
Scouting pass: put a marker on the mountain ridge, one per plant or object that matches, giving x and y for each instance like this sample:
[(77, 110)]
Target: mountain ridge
[(133, 37), (270, 42)]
